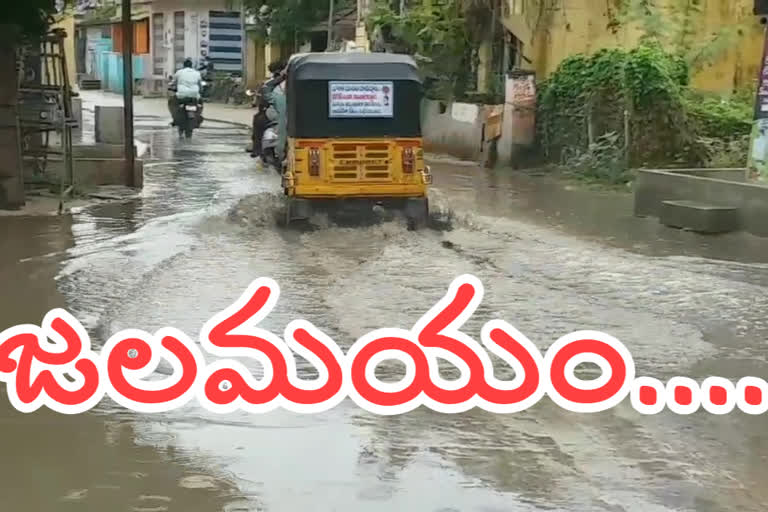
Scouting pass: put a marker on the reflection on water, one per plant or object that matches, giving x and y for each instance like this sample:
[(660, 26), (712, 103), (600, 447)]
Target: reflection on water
[(92, 463), (205, 227), (605, 216), (30, 247)]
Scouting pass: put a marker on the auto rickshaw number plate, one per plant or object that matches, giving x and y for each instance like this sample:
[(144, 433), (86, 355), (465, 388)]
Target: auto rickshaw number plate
[(363, 162)]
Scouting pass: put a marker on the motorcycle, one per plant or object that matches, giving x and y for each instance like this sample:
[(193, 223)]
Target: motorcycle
[(269, 147), (254, 95), (190, 116), (189, 112)]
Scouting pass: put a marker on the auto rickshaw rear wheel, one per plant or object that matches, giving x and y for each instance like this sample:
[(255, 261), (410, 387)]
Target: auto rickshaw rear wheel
[(297, 209), (417, 213)]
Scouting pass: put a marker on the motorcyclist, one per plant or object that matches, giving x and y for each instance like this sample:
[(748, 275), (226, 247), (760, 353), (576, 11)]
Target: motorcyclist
[(279, 104), (261, 118), (186, 83)]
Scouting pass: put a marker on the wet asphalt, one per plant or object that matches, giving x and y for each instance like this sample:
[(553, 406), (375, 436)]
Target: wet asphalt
[(553, 257)]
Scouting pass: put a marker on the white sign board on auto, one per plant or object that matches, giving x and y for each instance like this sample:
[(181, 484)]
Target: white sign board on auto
[(360, 99)]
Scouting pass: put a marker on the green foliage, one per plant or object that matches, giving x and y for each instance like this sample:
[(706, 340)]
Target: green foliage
[(444, 35), (32, 17), (723, 126), (102, 13), (588, 96), (725, 152), (292, 20), (602, 161), (435, 33), (581, 115), (720, 117)]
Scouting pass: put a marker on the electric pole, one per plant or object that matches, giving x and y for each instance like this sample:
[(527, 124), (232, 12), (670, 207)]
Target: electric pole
[(128, 90), (330, 25)]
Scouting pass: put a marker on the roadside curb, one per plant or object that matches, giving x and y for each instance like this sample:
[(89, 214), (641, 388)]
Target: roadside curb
[(226, 121)]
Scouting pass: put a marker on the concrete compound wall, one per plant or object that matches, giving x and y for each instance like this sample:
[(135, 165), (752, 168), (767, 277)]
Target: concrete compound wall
[(454, 129), (109, 124), (94, 172), (93, 165), (710, 186), (737, 175), (98, 150), (77, 113)]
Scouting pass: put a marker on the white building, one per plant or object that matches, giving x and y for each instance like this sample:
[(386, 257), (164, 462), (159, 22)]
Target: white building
[(199, 29)]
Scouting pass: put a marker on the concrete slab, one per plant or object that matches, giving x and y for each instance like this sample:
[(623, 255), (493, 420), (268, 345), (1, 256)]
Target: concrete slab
[(95, 172), (77, 113), (653, 187), (700, 217), (109, 124), (739, 174), (98, 150), (11, 193)]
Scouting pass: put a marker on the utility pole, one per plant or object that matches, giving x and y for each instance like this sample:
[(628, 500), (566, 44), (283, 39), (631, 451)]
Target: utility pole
[(757, 160), (128, 90), (330, 25), (244, 46)]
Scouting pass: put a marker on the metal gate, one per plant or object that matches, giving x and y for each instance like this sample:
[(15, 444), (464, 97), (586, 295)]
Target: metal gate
[(158, 47)]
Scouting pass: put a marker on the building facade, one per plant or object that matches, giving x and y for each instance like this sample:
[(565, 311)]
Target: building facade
[(203, 30), (166, 32), (545, 32)]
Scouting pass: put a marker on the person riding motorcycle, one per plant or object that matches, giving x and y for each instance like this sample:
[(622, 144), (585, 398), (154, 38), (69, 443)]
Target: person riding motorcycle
[(279, 104), (186, 83), (262, 118)]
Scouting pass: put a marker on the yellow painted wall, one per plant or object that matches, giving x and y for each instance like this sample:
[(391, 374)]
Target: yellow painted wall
[(361, 37), (255, 67), (67, 22), (582, 26)]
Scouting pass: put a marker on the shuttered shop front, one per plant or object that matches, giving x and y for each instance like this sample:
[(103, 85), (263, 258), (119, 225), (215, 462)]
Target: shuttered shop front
[(226, 41)]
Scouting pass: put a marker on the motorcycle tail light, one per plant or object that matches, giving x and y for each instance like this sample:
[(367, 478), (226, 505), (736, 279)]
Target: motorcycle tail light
[(408, 160), (314, 162)]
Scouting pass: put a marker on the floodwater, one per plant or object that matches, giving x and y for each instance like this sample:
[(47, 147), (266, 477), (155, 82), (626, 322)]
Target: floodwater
[(552, 259)]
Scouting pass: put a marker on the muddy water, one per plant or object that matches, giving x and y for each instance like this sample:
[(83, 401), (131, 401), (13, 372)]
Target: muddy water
[(553, 260)]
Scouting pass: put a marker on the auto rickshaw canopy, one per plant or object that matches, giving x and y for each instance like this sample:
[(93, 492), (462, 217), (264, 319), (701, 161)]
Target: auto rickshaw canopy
[(313, 77)]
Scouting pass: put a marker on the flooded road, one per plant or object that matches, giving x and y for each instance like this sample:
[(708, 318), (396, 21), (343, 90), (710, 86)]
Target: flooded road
[(552, 260)]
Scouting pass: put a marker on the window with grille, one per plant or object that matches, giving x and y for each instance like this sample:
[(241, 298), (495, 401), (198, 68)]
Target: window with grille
[(158, 36), (178, 39)]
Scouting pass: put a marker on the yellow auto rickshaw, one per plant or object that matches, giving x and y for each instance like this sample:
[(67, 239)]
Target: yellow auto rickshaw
[(354, 134)]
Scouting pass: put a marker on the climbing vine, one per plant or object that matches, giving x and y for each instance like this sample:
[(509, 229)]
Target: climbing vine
[(31, 18), (588, 96), (603, 114)]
